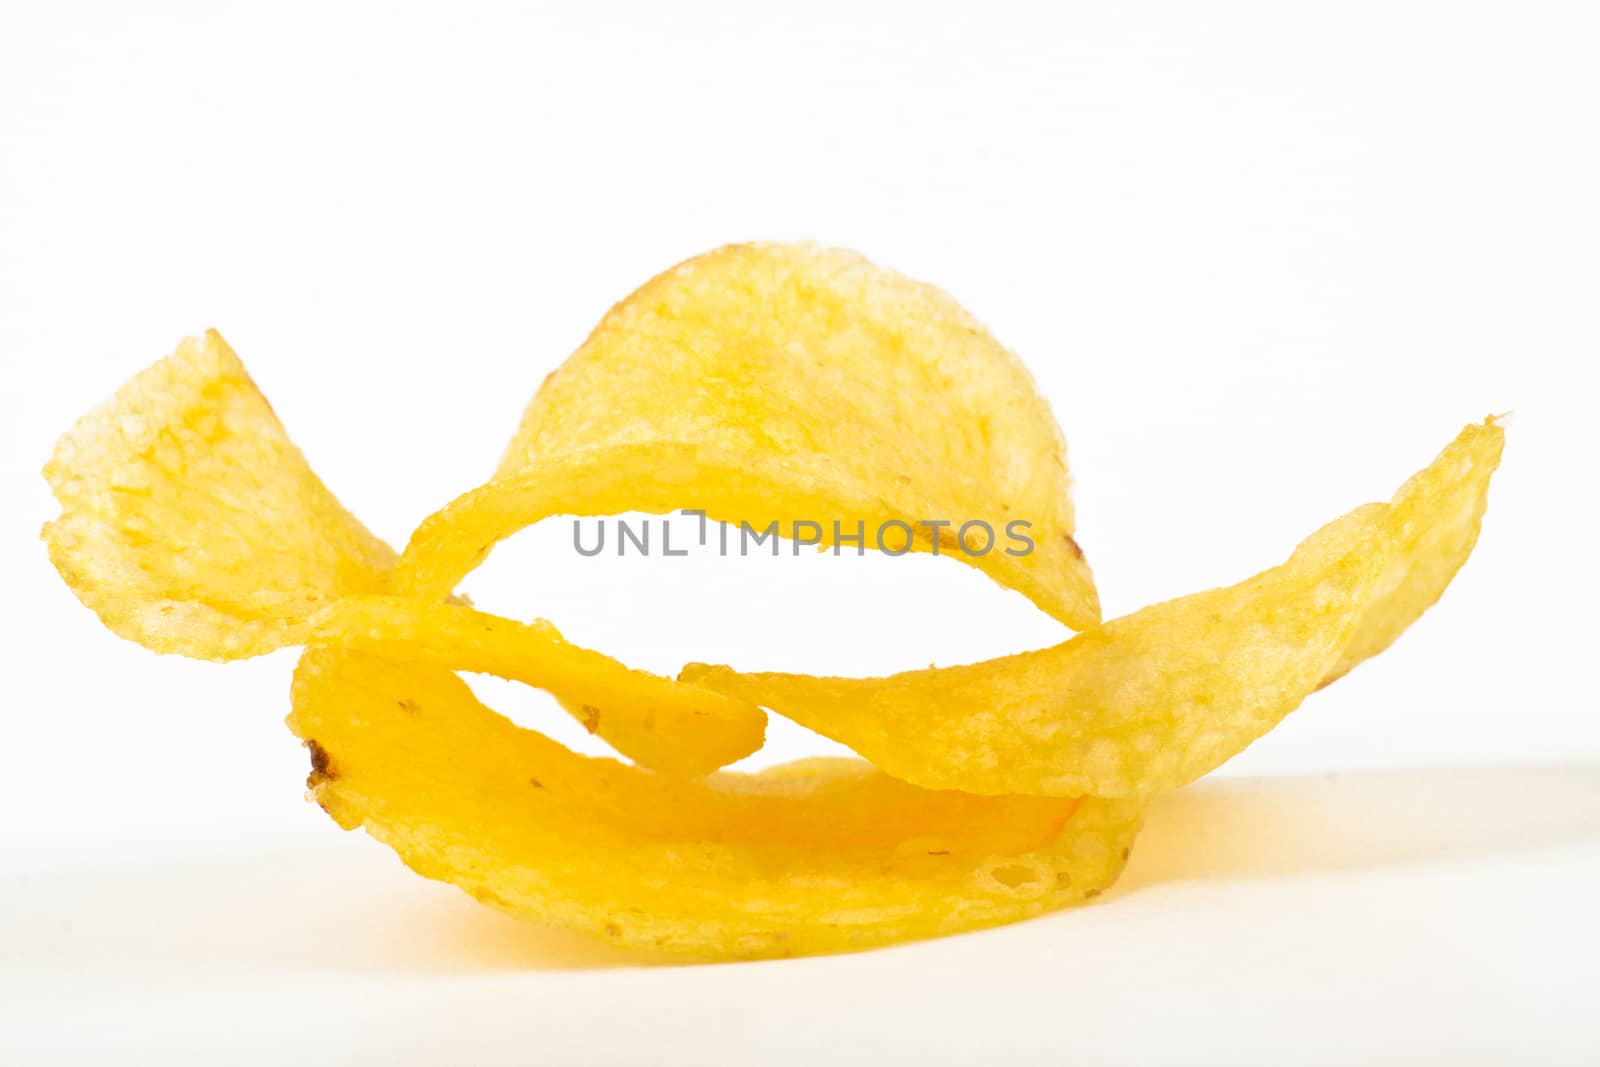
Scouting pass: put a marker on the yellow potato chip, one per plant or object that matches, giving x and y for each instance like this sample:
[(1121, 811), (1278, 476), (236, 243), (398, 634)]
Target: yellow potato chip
[(1436, 517), (825, 857), (757, 383), (191, 523), (667, 726), (1155, 699), (789, 382)]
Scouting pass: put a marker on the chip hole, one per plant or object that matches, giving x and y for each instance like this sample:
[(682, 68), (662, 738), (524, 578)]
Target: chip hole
[(879, 610), (534, 709)]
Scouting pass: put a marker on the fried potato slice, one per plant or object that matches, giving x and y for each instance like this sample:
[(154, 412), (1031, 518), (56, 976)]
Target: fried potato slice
[(667, 726), (785, 382), (1436, 516), (824, 857), (190, 523), (758, 382), (1155, 699)]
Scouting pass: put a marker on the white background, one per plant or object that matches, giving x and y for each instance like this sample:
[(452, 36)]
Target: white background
[(1263, 259)]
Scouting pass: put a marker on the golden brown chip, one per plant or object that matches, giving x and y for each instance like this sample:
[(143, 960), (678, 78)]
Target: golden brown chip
[(1155, 699), (191, 523), (826, 857), (789, 382)]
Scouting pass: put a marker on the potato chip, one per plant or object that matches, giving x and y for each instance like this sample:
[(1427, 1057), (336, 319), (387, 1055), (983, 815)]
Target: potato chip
[(1155, 699), (1431, 543), (824, 857), (768, 382), (191, 523), (667, 726), (755, 383)]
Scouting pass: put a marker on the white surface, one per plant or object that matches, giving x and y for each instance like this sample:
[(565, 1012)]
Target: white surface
[(1407, 917), (1263, 259)]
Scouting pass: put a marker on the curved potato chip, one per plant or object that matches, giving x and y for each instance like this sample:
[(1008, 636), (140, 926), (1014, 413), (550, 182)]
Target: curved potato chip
[(1437, 516), (768, 382), (826, 857), (667, 726), (758, 382), (1155, 699), (191, 523)]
